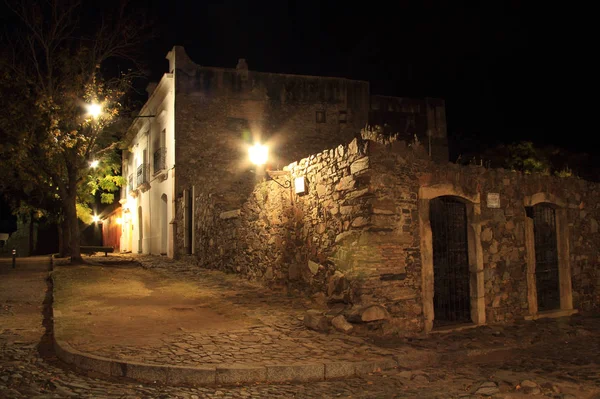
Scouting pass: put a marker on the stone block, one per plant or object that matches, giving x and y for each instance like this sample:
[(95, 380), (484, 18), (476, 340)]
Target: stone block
[(369, 313), (315, 320), (359, 165), (359, 222), (341, 324), (230, 214), (91, 362), (345, 184), (339, 370), (296, 372), (147, 372), (357, 194), (236, 373), (195, 376), (313, 267)]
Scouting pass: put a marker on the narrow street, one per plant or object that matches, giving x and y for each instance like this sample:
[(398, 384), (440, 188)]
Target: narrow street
[(28, 368)]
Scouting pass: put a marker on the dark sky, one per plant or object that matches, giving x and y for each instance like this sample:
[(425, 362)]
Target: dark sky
[(498, 64)]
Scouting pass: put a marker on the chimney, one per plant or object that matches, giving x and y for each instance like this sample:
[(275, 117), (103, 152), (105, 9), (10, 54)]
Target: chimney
[(242, 68), (242, 65)]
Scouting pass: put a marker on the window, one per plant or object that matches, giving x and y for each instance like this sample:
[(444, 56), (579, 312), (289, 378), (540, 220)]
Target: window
[(160, 153), (343, 117), (320, 117)]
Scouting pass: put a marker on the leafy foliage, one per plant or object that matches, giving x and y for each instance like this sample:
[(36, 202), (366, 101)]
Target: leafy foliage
[(527, 157), (53, 66)]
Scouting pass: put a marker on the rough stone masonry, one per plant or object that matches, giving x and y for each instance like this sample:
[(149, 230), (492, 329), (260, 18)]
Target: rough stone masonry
[(360, 236)]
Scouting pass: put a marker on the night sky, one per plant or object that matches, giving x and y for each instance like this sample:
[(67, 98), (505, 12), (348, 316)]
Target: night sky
[(499, 65), (505, 68)]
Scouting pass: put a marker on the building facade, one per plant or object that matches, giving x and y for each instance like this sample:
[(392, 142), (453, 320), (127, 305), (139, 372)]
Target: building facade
[(149, 167), (190, 141)]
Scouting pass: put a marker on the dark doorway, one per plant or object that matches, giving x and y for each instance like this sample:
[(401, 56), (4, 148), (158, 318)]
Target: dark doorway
[(546, 257), (451, 295), (140, 230)]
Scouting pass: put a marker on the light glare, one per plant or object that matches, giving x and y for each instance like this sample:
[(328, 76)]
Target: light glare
[(94, 164), (94, 110), (258, 154)]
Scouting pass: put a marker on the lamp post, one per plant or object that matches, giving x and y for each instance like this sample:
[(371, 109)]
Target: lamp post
[(259, 154)]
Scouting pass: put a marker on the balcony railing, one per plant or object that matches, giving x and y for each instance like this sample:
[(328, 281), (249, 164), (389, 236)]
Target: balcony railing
[(142, 174), (160, 158)]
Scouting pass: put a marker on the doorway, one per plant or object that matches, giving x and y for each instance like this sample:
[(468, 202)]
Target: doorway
[(140, 230), (164, 224), (451, 287), (546, 257)]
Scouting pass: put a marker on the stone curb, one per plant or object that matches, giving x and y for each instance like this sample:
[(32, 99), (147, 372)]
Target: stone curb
[(225, 374)]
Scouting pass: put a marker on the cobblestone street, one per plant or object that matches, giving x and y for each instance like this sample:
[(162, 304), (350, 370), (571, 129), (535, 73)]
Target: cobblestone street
[(557, 358)]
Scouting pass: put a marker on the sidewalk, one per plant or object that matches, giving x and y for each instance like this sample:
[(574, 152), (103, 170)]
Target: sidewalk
[(168, 321), (174, 323)]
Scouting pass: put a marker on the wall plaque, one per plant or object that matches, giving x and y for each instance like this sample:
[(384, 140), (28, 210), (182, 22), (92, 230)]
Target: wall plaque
[(493, 200)]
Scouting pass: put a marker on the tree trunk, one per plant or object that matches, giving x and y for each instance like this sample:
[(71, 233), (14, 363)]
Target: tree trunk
[(73, 223), (64, 238)]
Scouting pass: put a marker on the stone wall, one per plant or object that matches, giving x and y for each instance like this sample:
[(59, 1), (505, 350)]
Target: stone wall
[(356, 235), (283, 237), (401, 173)]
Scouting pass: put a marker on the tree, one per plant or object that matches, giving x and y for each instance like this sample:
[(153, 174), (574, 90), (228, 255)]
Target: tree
[(57, 65)]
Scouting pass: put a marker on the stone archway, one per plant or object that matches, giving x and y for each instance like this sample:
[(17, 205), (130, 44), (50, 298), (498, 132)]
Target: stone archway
[(475, 254), (537, 202)]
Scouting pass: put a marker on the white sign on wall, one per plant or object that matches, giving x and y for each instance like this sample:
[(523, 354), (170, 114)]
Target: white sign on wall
[(493, 200), (299, 185)]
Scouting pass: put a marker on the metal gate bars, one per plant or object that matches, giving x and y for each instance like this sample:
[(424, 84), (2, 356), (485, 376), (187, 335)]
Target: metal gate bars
[(451, 298), (546, 257)]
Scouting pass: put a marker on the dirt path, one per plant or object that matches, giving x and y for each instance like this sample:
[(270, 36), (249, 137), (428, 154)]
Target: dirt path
[(101, 306)]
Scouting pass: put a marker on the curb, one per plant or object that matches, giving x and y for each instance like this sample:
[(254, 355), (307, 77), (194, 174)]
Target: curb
[(226, 374)]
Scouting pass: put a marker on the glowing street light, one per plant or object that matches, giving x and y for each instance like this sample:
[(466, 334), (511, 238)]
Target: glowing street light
[(258, 154), (94, 110), (94, 164), (95, 218)]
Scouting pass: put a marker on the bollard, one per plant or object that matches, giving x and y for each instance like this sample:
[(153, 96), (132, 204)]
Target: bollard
[(14, 256)]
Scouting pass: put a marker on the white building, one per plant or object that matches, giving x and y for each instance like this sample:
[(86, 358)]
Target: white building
[(148, 165)]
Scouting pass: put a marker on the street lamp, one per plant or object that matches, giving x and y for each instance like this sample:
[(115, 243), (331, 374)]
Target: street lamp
[(95, 218), (259, 153), (94, 110), (94, 164)]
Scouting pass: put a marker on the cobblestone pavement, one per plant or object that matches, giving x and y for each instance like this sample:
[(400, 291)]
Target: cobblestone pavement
[(280, 337), (566, 367)]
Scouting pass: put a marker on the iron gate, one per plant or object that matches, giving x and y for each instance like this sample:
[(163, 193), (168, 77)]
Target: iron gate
[(451, 297), (546, 257)]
